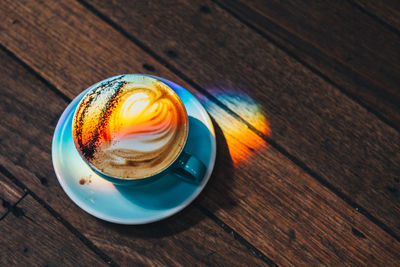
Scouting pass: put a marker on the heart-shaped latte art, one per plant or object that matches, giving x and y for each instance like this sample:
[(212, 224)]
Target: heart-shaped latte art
[(130, 129)]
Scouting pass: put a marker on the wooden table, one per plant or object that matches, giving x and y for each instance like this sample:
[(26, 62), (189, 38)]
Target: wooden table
[(305, 100)]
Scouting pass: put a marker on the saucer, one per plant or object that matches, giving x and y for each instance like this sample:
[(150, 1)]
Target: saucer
[(132, 204)]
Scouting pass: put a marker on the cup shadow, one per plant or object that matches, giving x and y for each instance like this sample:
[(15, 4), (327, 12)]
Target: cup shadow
[(172, 191), (218, 192)]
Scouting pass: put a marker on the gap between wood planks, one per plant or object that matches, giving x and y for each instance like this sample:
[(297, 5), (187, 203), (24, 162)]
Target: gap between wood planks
[(295, 160), (375, 17), (304, 63), (13, 208), (235, 235), (86, 241)]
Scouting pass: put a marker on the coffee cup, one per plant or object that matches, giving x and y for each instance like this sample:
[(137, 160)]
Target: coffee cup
[(132, 129)]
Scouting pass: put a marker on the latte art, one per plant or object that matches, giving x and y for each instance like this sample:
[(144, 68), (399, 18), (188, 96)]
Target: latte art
[(130, 127)]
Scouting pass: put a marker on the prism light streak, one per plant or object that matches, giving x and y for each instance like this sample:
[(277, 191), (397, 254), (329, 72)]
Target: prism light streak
[(241, 141)]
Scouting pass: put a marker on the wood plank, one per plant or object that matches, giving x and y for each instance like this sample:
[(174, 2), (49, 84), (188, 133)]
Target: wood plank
[(189, 238), (267, 212), (388, 11), (9, 194), (234, 193), (285, 212), (342, 143), (337, 40), (35, 238)]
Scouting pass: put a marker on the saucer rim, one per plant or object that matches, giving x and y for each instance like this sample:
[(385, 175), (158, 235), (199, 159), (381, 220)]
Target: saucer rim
[(164, 214)]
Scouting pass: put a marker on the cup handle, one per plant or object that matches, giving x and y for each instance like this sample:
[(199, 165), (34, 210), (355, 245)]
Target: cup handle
[(189, 168)]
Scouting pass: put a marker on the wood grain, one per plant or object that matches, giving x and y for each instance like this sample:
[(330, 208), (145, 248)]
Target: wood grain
[(336, 39), (35, 238), (9, 195), (387, 11), (285, 212), (185, 239), (235, 194), (341, 142)]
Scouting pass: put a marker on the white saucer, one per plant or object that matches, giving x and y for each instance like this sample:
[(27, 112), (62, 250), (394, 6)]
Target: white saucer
[(135, 204)]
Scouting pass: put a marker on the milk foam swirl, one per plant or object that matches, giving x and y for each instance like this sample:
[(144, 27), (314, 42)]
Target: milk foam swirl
[(130, 127)]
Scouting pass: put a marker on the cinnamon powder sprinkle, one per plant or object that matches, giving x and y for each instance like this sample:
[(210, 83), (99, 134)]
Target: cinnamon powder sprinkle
[(89, 148)]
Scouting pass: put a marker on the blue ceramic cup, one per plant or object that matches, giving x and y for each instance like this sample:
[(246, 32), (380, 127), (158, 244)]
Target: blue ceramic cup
[(184, 166)]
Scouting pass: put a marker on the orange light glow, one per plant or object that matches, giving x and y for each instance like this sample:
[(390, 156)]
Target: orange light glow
[(242, 142)]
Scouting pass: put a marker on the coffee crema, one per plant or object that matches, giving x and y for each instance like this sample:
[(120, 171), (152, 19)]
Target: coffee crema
[(130, 127)]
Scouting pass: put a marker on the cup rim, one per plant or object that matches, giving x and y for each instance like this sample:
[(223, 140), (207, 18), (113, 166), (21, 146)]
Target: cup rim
[(119, 179)]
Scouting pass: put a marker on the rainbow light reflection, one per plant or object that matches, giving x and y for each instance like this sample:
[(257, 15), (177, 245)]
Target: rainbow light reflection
[(241, 141)]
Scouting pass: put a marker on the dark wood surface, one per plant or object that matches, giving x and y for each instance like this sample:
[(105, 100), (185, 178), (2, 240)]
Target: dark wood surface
[(33, 236), (9, 195), (337, 41), (308, 116), (304, 99), (386, 12)]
